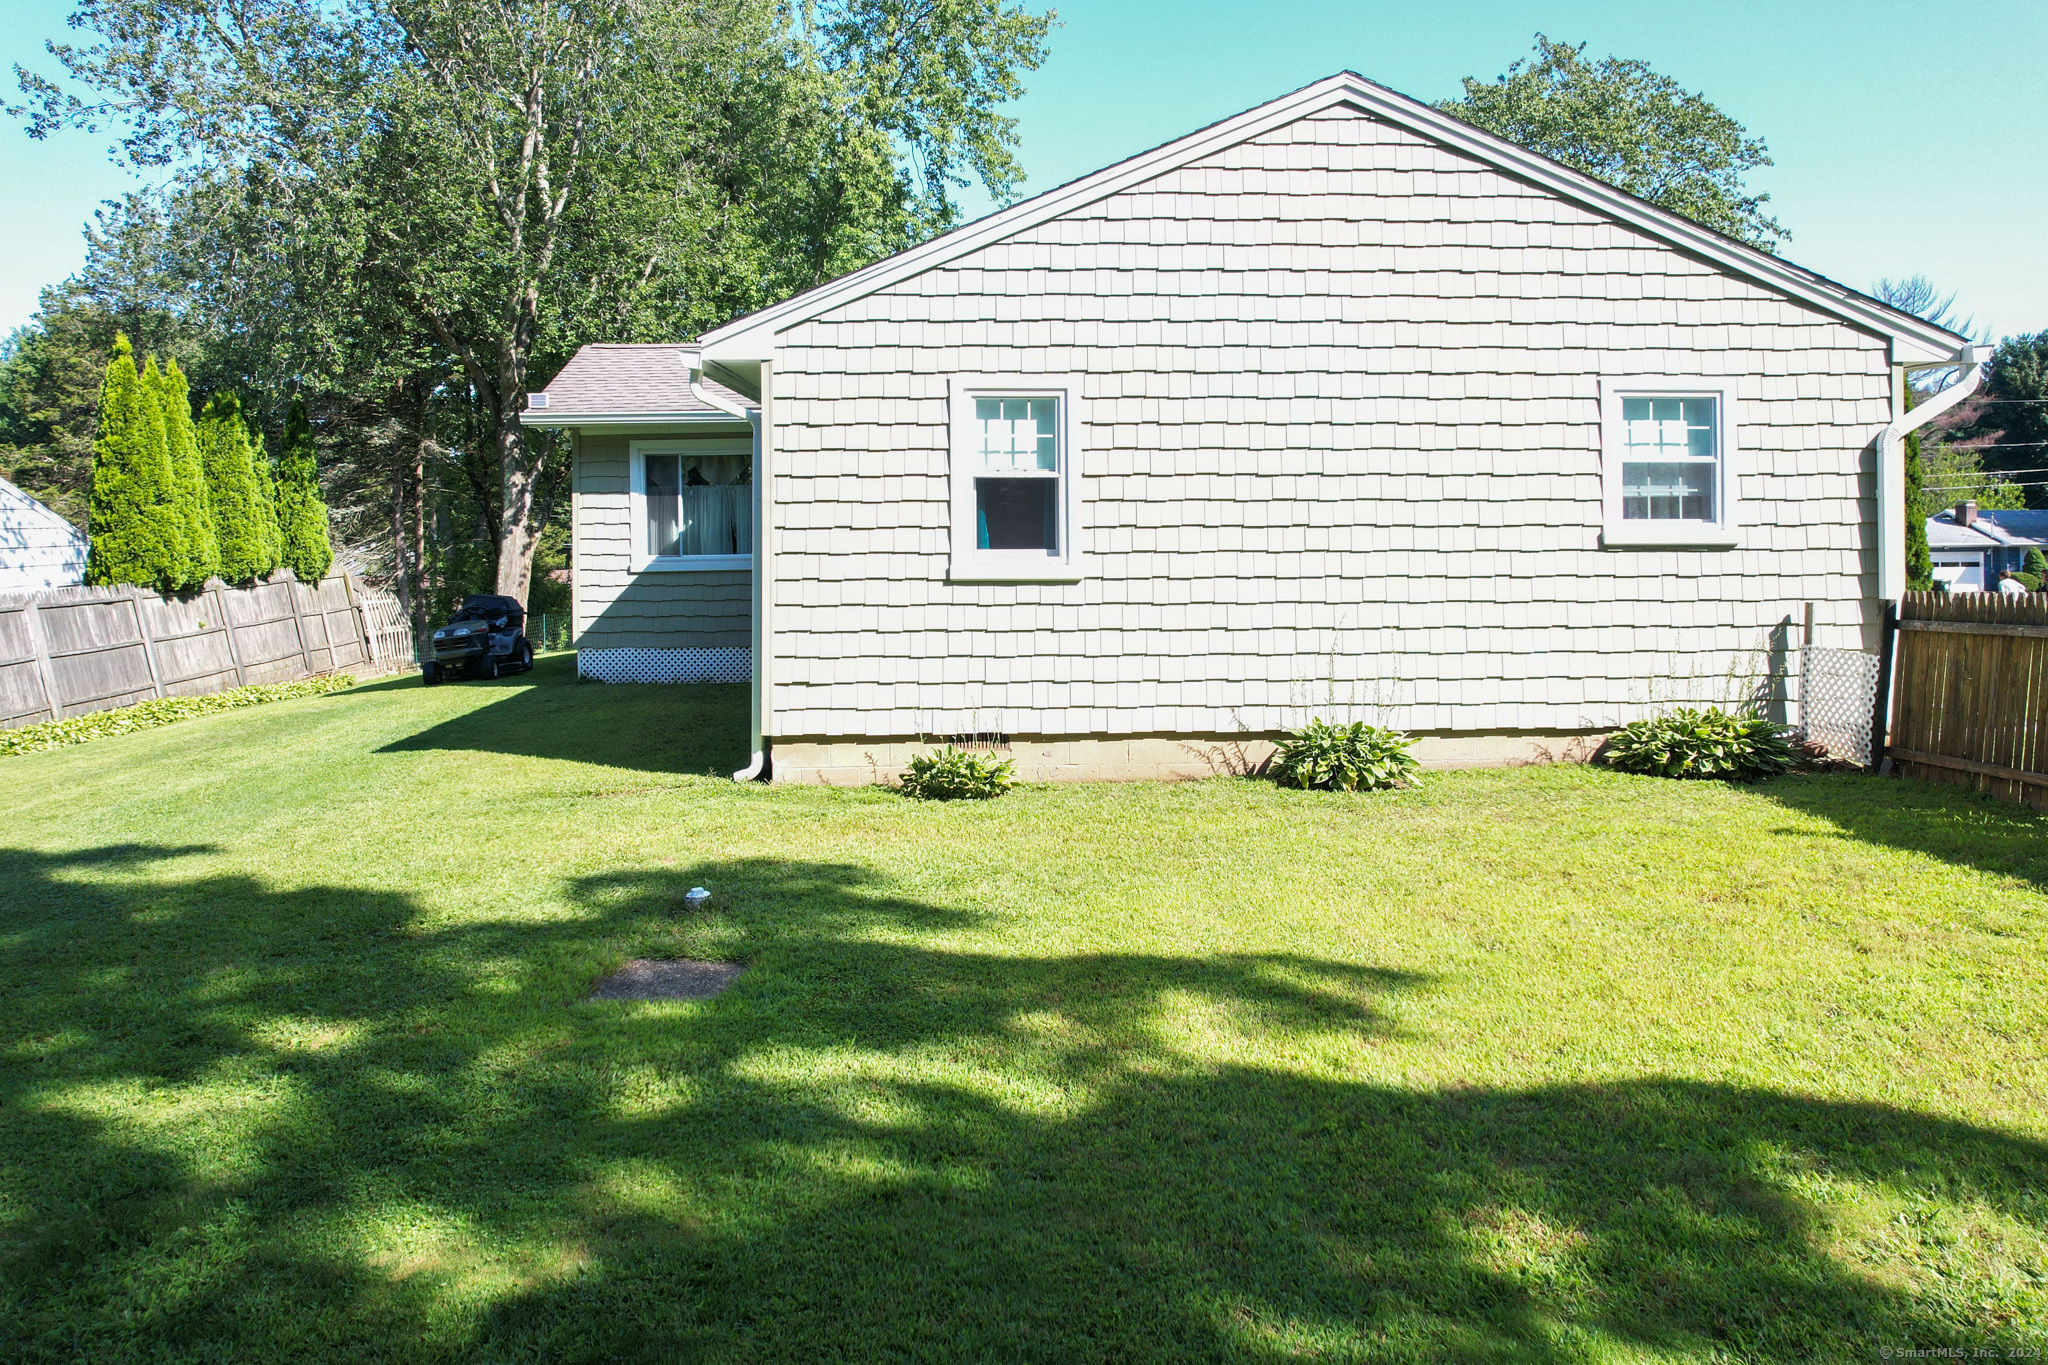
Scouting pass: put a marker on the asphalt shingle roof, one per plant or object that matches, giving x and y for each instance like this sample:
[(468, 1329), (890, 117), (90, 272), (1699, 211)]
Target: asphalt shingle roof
[(628, 381), (1991, 530)]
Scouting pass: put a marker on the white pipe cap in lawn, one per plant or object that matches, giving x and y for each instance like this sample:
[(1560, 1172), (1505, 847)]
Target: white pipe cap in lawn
[(695, 897)]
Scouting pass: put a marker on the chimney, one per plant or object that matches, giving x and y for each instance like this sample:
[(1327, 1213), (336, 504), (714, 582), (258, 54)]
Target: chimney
[(1966, 513)]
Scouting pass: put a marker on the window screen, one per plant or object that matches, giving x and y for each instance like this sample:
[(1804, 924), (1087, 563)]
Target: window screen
[(1670, 458), (1016, 492)]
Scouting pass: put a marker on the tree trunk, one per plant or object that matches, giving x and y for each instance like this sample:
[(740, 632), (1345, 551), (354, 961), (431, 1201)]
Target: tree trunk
[(401, 572), (518, 535), (419, 525)]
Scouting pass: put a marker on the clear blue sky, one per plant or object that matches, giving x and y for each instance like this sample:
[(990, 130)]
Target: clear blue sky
[(1908, 137)]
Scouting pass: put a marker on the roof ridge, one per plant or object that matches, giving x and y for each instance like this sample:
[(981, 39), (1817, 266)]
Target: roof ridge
[(1375, 101)]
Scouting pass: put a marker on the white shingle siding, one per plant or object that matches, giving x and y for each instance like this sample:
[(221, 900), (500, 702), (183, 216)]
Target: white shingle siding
[(618, 608), (38, 548), (1343, 441)]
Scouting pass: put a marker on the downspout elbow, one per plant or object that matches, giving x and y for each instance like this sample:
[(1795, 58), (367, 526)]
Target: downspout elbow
[(712, 400), (1891, 467)]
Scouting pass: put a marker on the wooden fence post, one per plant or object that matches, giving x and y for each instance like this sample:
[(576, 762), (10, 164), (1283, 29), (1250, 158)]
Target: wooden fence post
[(291, 595), (39, 646), (156, 681), (1881, 705), (355, 614), (227, 623)]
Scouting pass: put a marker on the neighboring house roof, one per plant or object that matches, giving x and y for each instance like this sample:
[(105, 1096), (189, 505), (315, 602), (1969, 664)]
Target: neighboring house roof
[(1914, 340), (606, 383), (38, 548), (1992, 530)]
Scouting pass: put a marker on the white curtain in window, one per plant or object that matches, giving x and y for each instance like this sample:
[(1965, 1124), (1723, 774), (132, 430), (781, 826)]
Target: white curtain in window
[(699, 505)]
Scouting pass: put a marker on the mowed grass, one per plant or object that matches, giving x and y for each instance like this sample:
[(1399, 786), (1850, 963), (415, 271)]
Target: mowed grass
[(1546, 1064)]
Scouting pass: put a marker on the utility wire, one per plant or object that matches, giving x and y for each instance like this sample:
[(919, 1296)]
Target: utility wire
[(1954, 473)]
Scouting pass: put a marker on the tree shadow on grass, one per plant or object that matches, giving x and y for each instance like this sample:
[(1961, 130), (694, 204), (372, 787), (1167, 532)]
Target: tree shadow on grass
[(549, 713), (1954, 824), (271, 1124)]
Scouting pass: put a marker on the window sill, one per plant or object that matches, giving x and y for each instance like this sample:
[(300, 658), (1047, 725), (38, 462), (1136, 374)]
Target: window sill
[(1668, 535), (1024, 569), (693, 563)]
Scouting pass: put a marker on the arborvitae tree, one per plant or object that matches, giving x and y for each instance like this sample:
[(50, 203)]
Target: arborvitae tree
[(202, 547), (1919, 561), (2036, 567), (301, 515), (266, 498), (236, 499), (135, 527)]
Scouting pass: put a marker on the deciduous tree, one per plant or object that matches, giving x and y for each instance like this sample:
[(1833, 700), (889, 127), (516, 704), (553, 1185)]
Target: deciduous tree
[(515, 178), (1621, 121)]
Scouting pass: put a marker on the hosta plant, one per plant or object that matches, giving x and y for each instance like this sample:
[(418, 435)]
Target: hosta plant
[(949, 774), (1702, 743), (1354, 757)]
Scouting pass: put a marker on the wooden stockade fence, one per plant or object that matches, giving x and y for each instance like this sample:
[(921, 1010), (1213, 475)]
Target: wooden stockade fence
[(68, 651), (1970, 692)]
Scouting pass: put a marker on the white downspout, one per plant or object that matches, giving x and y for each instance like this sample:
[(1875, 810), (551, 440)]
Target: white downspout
[(757, 760), (1891, 465)]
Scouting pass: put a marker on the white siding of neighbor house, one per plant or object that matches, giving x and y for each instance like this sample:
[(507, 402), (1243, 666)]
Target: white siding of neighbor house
[(38, 548), (1343, 440), (617, 608)]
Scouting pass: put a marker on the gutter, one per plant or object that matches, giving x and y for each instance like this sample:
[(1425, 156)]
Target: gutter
[(757, 758), (1891, 461), (709, 399)]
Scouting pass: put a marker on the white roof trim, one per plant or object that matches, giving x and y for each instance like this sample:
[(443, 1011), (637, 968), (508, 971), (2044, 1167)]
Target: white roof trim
[(1913, 340), (545, 418)]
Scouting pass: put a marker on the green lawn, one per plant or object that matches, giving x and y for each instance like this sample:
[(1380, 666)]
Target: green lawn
[(1544, 1064)]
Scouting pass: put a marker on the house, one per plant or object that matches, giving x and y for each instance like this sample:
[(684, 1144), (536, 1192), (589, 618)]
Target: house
[(1971, 548), (667, 600), (1340, 406), (38, 548)]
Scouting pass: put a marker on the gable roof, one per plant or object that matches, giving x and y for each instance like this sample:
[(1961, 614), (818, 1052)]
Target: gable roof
[(1914, 340), (19, 512), (626, 383)]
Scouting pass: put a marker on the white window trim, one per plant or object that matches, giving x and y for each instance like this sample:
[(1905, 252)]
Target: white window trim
[(643, 562), (1721, 534), (971, 564)]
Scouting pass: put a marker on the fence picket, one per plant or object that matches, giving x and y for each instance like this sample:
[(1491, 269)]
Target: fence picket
[(1971, 701), (89, 660)]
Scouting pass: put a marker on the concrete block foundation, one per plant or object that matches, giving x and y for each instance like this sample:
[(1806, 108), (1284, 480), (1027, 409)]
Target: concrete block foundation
[(1147, 758)]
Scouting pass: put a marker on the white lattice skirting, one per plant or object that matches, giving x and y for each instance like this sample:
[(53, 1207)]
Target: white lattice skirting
[(665, 665)]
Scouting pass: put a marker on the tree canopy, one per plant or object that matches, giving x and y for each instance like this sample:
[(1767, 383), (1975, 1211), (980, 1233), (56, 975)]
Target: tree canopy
[(2017, 418), (409, 207), (1620, 121)]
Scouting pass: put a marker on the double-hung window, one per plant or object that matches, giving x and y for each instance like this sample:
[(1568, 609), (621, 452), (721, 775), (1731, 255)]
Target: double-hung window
[(1015, 477), (693, 503), (1668, 462)]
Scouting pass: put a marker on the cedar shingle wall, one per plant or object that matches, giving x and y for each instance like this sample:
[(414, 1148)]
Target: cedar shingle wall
[(619, 609), (1343, 441)]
